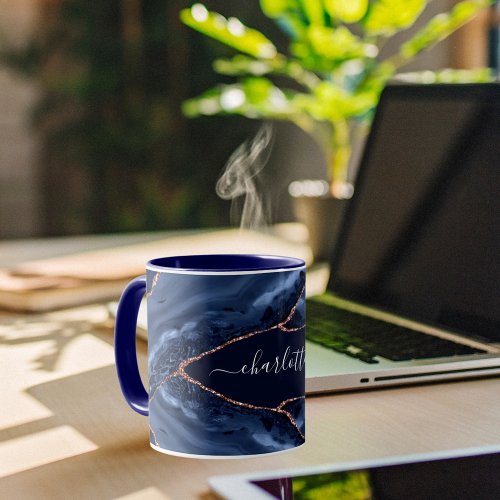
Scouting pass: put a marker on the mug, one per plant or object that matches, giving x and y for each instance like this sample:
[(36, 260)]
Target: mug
[(226, 353)]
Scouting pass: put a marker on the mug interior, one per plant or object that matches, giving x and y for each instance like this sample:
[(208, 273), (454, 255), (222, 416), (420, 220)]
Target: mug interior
[(226, 262)]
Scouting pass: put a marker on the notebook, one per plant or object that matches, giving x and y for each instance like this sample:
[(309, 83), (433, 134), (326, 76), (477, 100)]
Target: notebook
[(413, 294)]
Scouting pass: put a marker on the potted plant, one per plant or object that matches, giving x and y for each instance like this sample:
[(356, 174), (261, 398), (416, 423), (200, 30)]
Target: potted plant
[(330, 78)]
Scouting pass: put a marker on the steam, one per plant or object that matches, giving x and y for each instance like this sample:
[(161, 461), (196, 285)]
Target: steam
[(240, 178)]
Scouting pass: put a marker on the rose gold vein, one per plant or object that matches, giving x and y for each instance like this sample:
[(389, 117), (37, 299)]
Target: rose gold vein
[(293, 422), (296, 329), (294, 308), (290, 400), (164, 380)]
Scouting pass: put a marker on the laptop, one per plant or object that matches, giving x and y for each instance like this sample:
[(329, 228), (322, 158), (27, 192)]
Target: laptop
[(413, 294)]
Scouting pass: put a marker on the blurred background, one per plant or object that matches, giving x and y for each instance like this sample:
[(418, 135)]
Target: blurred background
[(92, 137)]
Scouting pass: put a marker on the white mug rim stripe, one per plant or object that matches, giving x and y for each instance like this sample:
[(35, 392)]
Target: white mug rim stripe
[(173, 270), (153, 266)]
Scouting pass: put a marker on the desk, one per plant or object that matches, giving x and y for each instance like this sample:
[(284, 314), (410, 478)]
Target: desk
[(66, 431)]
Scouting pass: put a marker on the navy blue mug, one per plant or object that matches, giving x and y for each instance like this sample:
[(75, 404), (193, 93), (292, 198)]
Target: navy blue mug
[(226, 353)]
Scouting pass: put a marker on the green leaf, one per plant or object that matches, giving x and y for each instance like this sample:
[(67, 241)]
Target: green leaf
[(442, 25), (228, 31), (257, 90), (386, 17), (314, 11), (377, 77), (346, 11), (331, 103), (277, 8), (253, 97), (325, 48), (242, 65), (335, 43)]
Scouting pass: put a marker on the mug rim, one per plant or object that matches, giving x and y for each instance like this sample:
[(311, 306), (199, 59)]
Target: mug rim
[(220, 263)]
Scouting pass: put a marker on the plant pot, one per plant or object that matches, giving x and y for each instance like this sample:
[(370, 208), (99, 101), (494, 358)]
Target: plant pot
[(322, 215)]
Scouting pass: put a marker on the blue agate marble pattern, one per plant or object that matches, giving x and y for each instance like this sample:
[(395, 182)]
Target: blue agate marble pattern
[(243, 397)]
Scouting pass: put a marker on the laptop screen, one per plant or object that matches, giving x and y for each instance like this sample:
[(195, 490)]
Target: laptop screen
[(421, 236)]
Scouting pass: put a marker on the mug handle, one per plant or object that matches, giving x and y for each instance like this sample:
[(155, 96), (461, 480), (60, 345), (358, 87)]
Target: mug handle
[(125, 350)]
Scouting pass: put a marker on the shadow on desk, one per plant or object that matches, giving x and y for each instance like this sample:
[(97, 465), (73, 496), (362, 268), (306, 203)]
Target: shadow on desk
[(57, 330)]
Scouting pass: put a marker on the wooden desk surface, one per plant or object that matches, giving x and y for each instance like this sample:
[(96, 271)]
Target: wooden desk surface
[(66, 431)]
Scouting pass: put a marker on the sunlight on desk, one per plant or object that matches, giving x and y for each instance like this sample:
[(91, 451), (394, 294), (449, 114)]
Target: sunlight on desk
[(44, 447), (145, 494), (60, 342)]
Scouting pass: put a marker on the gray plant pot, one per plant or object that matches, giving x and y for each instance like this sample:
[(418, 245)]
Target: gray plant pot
[(322, 216)]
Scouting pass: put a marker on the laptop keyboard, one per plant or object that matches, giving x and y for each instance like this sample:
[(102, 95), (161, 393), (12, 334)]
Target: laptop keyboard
[(364, 338)]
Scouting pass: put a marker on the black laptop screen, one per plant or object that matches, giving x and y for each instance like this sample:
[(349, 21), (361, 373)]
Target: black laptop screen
[(422, 234)]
